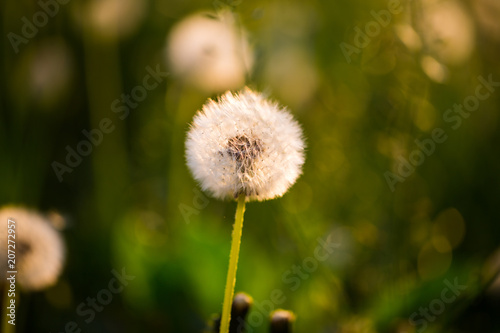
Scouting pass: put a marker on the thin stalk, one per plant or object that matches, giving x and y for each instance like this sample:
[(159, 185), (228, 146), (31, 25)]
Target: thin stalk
[(233, 265)]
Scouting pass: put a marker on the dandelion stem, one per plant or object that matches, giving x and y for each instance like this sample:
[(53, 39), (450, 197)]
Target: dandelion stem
[(233, 265)]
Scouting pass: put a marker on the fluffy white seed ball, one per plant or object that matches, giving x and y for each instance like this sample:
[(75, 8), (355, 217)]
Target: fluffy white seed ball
[(209, 52), (244, 143), (447, 31), (39, 248)]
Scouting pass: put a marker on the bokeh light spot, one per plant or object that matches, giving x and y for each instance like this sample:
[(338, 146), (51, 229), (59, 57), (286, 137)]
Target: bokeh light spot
[(451, 225), (432, 263)]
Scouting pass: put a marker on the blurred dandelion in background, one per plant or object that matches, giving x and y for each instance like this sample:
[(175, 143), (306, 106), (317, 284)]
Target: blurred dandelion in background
[(40, 249), (210, 51), (447, 31), (448, 36), (48, 69)]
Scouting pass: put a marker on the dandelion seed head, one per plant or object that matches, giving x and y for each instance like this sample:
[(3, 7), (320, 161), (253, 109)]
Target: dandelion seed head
[(244, 143), (448, 31), (209, 52), (39, 248)]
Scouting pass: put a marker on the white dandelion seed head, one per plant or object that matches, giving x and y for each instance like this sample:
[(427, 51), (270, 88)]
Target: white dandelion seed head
[(244, 143), (210, 52), (448, 31), (39, 248)]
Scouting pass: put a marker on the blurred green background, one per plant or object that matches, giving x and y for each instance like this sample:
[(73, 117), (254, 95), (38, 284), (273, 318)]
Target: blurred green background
[(126, 202)]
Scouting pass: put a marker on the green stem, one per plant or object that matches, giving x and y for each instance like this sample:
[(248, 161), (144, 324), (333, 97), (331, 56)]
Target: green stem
[(6, 327), (233, 265)]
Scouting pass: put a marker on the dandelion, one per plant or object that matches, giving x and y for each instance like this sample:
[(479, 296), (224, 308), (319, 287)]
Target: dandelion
[(245, 144), (39, 248), (50, 73), (447, 31), (209, 52), (246, 147)]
